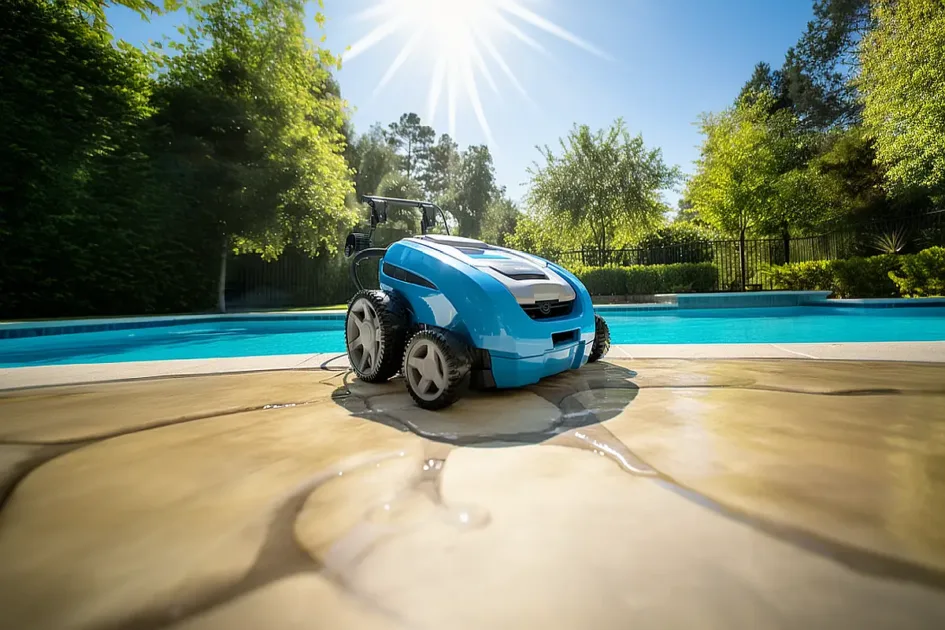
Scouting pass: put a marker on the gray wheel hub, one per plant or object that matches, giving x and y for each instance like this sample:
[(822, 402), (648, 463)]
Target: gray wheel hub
[(364, 336), (426, 370)]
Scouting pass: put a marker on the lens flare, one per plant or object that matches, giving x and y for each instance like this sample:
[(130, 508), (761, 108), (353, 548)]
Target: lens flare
[(459, 35)]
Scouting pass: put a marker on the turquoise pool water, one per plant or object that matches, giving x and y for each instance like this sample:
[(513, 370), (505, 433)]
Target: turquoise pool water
[(799, 324), (309, 334)]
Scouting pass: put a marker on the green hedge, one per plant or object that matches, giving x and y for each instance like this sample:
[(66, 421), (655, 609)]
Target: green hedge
[(888, 275), (649, 279), (921, 274)]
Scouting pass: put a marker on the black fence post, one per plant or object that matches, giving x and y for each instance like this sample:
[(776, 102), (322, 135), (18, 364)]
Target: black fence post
[(744, 262), (786, 237)]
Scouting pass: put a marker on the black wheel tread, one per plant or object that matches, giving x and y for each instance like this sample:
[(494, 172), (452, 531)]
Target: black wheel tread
[(458, 364), (601, 345), (392, 313)]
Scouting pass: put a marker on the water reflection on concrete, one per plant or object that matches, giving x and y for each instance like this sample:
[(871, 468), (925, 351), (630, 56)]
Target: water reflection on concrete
[(730, 494)]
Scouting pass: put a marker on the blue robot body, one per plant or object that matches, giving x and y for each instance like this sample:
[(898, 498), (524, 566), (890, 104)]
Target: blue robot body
[(455, 312), (527, 318)]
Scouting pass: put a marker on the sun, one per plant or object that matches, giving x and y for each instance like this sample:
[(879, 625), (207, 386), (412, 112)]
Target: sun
[(461, 34)]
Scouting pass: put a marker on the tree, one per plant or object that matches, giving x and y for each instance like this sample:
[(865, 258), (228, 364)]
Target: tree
[(851, 181), (500, 221), (415, 139), (94, 10), (401, 221), (77, 230), (764, 81), (753, 174), (602, 181), (375, 160), (903, 81), (441, 170), (474, 191), (734, 188), (817, 76), (540, 234), (686, 212), (252, 132)]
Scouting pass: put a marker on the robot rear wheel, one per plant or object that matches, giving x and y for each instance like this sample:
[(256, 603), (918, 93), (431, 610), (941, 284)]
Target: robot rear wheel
[(375, 331)]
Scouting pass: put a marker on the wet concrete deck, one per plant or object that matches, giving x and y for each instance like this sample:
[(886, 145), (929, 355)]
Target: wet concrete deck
[(631, 494)]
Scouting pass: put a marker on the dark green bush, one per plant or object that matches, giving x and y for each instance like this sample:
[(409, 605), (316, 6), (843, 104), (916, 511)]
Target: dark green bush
[(922, 274), (814, 275), (644, 280), (888, 275), (866, 277), (603, 280), (649, 279), (689, 278)]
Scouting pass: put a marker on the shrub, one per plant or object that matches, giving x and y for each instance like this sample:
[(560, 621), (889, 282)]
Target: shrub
[(921, 274), (865, 277), (648, 279), (644, 279), (814, 275), (689, 278), (888, 275), (603, 280)]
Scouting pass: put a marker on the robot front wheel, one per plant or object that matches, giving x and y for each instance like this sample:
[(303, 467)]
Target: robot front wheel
[(437, 368), (601, 345), (436, 365)]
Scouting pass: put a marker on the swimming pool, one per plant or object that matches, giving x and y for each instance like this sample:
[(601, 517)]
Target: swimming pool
[(229, 336)]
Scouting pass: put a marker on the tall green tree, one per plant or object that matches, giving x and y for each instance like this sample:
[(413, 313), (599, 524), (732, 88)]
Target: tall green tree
[(539, 233), (766, 81), (475, 190), (375, 160), (500, 220), (401, 221), (252, 132), (77, 231), (903, 81), (441, 170), (749, 177), (414, 139), (601, 182), (818, 72)]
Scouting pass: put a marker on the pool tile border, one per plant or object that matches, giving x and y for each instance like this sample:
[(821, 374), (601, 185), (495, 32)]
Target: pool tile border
[(882, 303)]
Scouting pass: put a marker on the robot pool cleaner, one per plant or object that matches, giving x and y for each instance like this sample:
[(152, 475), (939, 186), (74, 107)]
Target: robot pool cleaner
[(454, 313)]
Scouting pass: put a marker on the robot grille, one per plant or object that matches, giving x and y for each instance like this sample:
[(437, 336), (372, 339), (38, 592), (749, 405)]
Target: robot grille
[(548, 308)]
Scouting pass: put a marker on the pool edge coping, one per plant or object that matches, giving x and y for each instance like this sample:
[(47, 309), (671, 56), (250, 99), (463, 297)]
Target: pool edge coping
[(87, 373)]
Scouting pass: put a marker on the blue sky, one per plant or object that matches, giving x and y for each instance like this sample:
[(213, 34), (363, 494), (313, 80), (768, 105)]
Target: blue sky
[(670, 61)]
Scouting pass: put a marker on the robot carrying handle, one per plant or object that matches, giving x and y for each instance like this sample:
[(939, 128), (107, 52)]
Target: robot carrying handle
[(379, 210)]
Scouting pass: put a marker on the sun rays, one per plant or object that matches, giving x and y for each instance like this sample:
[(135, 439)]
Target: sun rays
[(459, 37)]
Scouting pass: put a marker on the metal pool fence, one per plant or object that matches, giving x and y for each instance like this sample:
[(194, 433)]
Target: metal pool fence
[(297, 280), (742, 263)]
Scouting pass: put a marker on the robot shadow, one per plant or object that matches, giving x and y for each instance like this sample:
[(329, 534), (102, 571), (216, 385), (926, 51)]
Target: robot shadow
[(534, 414)]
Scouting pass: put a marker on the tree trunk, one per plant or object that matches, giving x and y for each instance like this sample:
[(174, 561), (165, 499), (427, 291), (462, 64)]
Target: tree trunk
[(221, 285)]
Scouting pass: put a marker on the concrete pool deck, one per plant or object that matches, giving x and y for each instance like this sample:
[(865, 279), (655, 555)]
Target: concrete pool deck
[(12, 378), (652, 493)]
